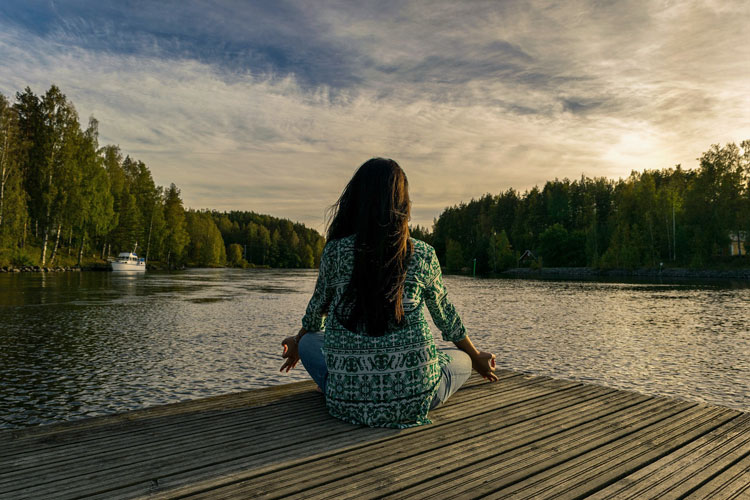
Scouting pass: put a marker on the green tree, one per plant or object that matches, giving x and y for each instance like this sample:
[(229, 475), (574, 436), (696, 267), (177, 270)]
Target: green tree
[(112, 161), (501, 253), (275, 251), (156, 226), (454, 257), (177, 237), (206, 247), (132, 227), (31, 128), (553, 245), (713, 201), (307, 257), (48, 125), (420, 233), (234, 255), (12, 195), (91, 204)]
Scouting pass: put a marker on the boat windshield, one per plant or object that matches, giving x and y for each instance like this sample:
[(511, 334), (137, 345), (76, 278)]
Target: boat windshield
[(128, 257)]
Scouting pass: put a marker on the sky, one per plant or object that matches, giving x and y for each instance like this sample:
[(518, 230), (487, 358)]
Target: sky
[(271, 106)]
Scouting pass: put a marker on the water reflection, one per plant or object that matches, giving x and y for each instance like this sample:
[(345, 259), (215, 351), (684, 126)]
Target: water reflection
[(682, 340), (82, 344)]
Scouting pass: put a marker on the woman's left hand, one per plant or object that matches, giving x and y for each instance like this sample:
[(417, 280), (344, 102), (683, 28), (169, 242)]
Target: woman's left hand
[(291, 353), (484, 364)]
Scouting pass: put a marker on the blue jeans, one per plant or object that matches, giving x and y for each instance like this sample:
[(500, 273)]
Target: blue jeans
[(453, 375)]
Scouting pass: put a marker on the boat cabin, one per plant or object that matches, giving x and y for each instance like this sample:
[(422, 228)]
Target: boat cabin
[(128, 257)]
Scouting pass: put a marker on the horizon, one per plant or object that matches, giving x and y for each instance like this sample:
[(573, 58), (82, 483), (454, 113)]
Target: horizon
[(271, 107)]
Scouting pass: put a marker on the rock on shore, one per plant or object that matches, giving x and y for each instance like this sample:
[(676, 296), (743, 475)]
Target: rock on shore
[(38, 269)]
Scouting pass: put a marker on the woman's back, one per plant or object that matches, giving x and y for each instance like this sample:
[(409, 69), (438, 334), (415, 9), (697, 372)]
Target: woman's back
[(388, 380)]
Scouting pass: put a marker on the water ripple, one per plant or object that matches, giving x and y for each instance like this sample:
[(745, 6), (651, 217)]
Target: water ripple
[(74, 345)]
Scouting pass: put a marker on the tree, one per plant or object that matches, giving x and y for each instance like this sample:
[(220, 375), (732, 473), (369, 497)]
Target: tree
[(156, 225), (177, 236), (420, 233), (454, 258), (112, 160), (308, 257), (31, 128), (206, 247), (501, 253), (12, 195), (234, 255), (713, 201), (47, 126), (91, 203), (130, 199), (56, 172), (553, 245), (274, 252)]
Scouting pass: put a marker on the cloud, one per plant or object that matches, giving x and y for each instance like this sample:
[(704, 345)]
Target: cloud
[(271, 107)]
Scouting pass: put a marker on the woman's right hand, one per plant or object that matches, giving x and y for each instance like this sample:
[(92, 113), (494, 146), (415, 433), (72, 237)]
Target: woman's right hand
[(291, 353), (484, 364)]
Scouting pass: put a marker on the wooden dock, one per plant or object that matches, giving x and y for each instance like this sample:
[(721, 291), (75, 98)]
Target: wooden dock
[(521, 437)]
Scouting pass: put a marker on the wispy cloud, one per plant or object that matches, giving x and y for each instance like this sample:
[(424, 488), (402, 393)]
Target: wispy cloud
[(270, 107)]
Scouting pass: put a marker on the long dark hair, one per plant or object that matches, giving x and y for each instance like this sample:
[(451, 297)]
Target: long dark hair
[(375, 207)]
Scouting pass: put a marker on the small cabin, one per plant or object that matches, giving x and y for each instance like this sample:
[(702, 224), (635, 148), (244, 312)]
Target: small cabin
[(527, 257)]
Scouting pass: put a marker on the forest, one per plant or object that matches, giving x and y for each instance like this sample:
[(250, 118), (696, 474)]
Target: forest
[(672, 217), (65, 200)]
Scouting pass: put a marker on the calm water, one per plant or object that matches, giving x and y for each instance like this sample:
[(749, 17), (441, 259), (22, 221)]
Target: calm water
[(84, 344)]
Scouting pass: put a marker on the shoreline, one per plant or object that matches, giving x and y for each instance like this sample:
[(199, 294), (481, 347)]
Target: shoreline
[(107, 268), (589, 272), (55, 269), (519, 272)]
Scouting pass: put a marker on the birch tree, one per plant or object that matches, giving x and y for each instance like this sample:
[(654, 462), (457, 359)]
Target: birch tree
[(12, 196), (52, 162), (92, 203)]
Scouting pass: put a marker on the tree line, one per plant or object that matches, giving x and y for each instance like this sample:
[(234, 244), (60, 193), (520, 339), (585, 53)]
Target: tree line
[(670, 217), (63, 199)]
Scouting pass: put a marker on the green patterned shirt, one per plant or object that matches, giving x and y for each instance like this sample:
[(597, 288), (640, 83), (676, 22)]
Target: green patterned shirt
[(386, 381)]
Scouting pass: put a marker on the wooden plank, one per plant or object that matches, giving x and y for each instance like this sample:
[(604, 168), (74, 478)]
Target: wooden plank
[(134, 436), (594, 469), (508, 466), (476, 453), (164, 457), (731, 484), (254, 397), (524, 436), (249, 463), (684, 470), (418, 447), (167, 481), (514, 423), (92, 428), (22, 440), (150, 462), (128, 438)]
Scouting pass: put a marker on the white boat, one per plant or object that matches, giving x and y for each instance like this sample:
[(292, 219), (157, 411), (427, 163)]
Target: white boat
[(128, 261)]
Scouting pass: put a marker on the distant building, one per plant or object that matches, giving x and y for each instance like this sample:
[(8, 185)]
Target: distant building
[(737, 246), (528, 256)]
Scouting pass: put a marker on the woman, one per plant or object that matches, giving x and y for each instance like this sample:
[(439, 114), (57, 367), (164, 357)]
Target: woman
[(364, 338)]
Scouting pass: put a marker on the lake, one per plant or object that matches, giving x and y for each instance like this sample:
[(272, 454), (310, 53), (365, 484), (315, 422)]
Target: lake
[(74, 345)]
